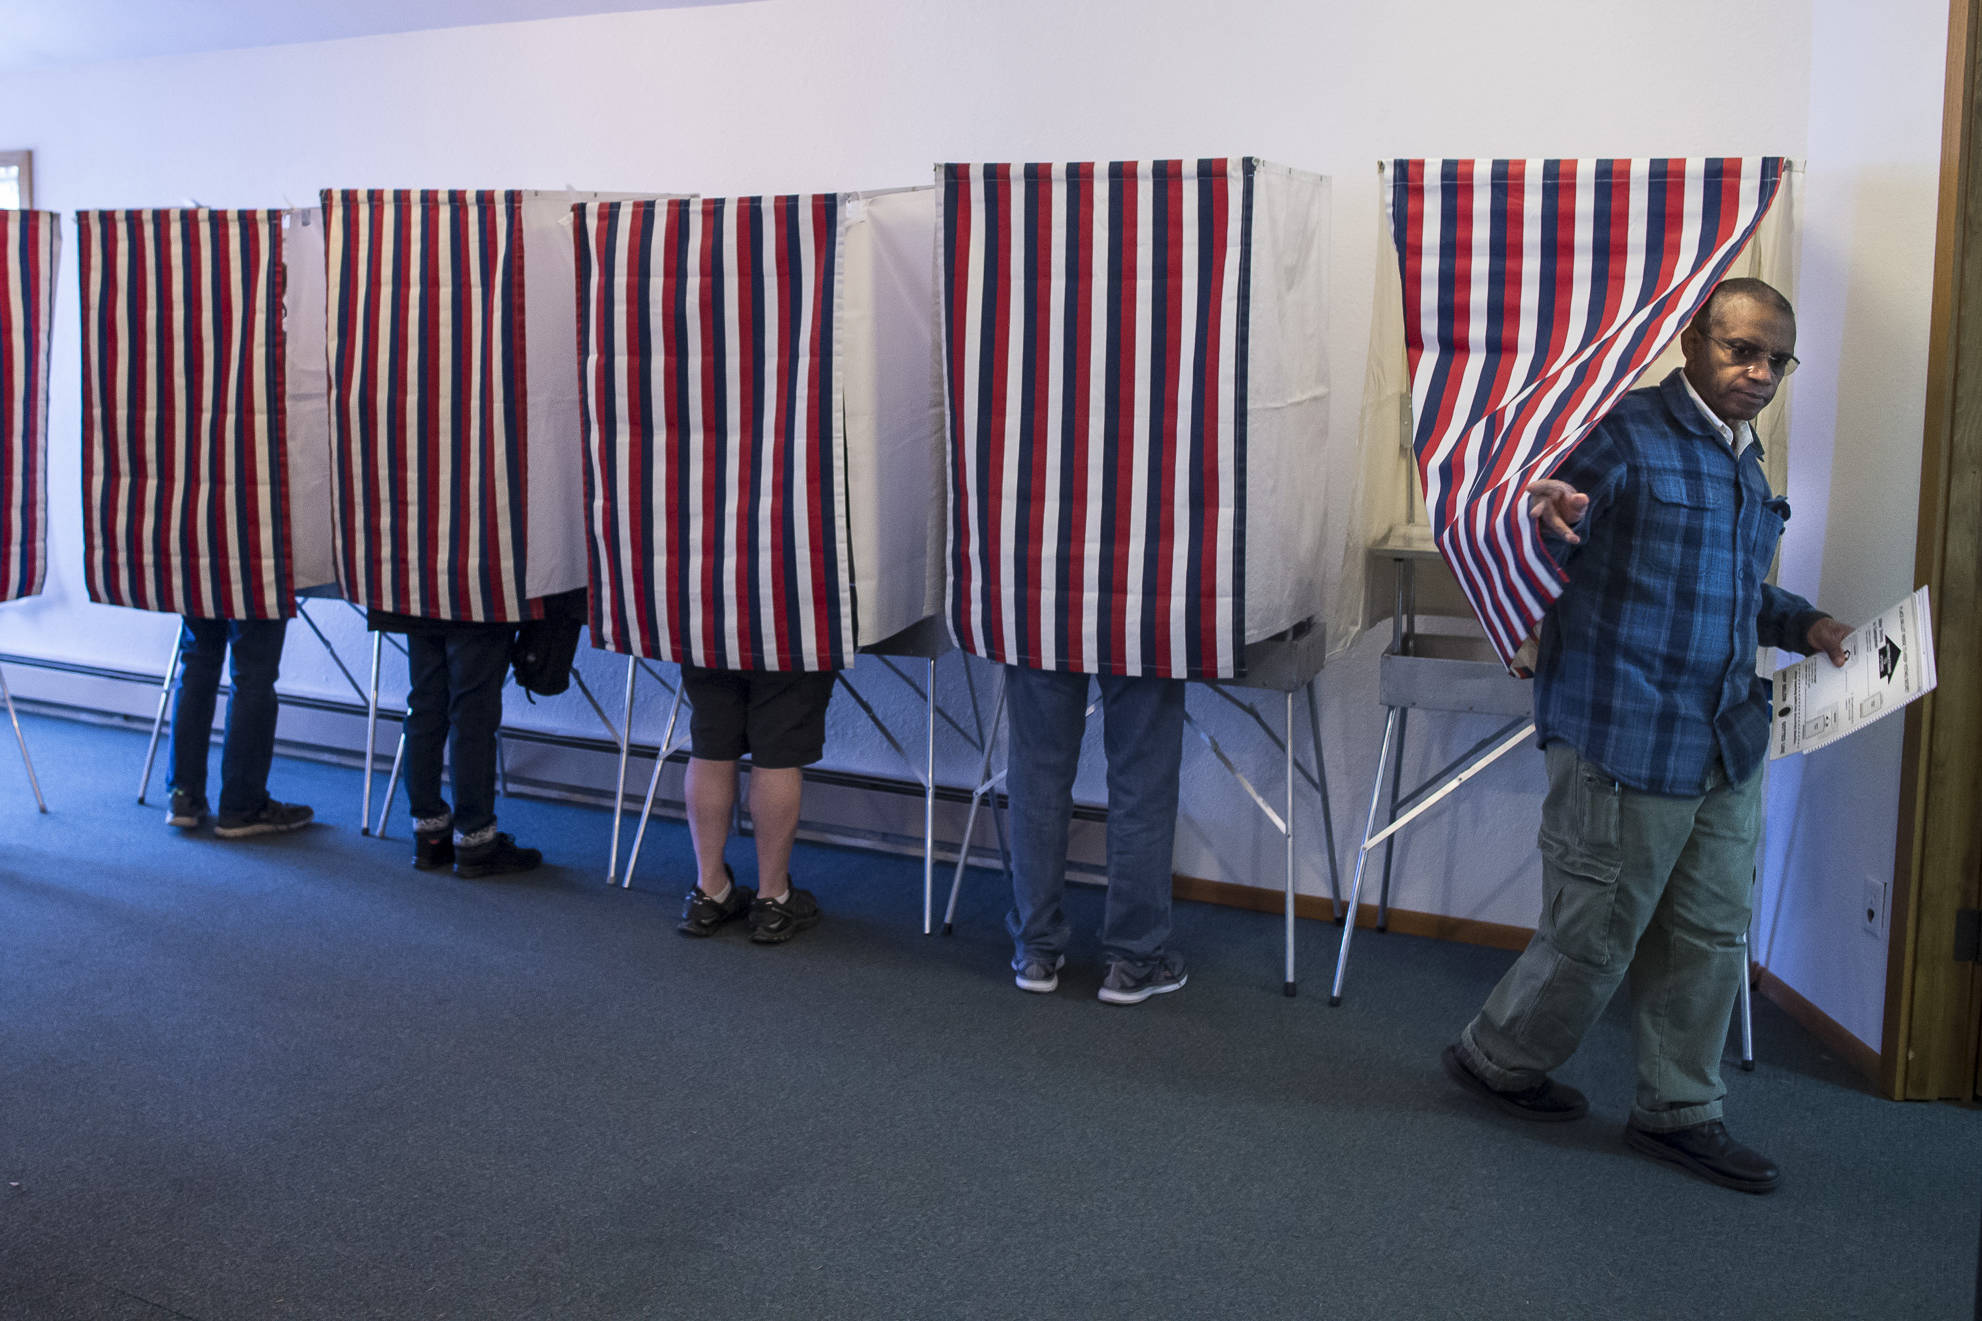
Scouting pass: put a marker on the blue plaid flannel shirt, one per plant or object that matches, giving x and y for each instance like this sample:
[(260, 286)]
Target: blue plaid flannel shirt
[(1647, 660)]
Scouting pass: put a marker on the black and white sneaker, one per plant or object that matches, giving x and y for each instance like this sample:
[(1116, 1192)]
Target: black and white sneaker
[(1040, 976), (271, 818), (774, 921), (1126, 984), (188, 810), (703, 916)]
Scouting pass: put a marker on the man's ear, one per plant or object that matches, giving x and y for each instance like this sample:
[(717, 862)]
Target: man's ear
[(1689, 342)]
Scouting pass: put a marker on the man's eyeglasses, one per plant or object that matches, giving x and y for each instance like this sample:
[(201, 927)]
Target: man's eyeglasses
[(1743, 354)]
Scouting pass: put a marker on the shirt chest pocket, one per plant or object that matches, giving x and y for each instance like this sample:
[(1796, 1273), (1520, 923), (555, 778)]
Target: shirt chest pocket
[(1686, 517), (1770, 517)]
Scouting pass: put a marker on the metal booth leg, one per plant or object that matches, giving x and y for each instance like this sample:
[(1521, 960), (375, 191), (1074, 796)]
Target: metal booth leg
[(158, 721), (653, 783), (20, 738), (391, 784), (371, 734), (619, 792), (1327, 812), (1362, 854), (929, 803), (986, 786), (1287, 731), (1390, 845), (1746, 1006)]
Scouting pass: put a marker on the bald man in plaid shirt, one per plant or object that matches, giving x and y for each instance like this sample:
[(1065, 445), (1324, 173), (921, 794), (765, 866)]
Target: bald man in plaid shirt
[(1655, 726)]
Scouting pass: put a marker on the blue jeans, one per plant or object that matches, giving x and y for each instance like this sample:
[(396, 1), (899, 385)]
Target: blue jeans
[(253, 650), (455, 703), (1639, 883), (1142, 733)]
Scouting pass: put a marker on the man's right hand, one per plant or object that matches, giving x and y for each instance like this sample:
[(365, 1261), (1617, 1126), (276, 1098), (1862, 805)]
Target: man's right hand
[(1558, 506)]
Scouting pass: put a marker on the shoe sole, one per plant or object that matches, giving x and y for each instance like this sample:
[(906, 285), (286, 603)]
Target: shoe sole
[(1646, 1145), (1467, 1079), (1040, 985), (701, 930), (431, 866), (259, 828), (764, 936), (1107, 996), (476, 871), (184, 822)]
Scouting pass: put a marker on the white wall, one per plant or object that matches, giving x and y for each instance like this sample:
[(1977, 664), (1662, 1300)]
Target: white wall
[(1865, 296), (824, 94)]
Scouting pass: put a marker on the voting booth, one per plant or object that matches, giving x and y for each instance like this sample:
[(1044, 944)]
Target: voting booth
[(762, 427), (452, 396), (1136, 373), (198, 437), (1517, 302), (30, 251), (456, 490), (1140, 474), (205, 460)]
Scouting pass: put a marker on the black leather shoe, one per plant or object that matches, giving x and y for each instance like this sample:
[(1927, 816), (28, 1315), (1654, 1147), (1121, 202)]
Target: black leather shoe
[(1708, 1151), (1548, 1101)]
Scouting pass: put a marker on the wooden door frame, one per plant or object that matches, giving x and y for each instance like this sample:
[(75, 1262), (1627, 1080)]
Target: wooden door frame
[(1933, 1003)]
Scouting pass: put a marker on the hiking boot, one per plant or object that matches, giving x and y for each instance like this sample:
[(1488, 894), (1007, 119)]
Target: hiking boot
[(701, 915), (1040, 976), (433, 850), (1129, 985), (497, 856), (188, 810), (774, 921), (271, 818)]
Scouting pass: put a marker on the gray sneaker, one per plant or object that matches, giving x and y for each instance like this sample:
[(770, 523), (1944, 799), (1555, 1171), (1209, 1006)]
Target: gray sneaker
[(1127, 984), (1038, 975), (271, 818), (188, 810)]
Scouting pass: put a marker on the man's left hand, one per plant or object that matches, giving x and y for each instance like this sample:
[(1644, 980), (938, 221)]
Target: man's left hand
[(1827, 635)]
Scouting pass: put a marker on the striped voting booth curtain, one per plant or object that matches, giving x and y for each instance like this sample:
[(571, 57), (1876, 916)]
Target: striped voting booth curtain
[(185, 503), (30, 245), (1095, 323), (715, 488), (1535, 293), (427, 401)]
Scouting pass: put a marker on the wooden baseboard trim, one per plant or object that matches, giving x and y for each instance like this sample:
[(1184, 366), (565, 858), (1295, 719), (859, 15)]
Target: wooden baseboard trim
[(1258, 899), (1820, 1025)]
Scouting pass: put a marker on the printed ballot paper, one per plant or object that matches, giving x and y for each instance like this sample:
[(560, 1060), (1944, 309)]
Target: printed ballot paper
[(1891, 662)]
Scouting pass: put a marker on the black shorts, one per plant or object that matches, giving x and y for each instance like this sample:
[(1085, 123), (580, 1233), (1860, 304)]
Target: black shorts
[(775, 717)]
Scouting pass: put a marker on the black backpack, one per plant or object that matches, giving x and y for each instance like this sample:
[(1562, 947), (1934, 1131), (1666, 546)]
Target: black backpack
[(545, 647)]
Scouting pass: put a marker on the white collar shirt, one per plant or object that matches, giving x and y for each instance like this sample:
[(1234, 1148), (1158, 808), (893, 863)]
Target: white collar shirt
[(1738, 437)]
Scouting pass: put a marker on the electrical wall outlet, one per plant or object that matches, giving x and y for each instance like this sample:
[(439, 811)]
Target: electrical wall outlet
[(1872, 915)]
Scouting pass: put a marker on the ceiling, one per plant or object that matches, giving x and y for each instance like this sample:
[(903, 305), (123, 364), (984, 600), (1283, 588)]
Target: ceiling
[(38, 34)]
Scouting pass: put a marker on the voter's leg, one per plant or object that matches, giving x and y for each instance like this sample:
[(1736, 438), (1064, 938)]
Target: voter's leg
[(1045, 715)]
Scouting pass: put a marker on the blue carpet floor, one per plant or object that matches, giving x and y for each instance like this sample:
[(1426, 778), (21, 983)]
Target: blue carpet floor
[(292, 1077)]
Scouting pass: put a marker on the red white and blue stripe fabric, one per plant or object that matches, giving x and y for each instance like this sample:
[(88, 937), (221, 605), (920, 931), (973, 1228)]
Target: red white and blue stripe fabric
[(427, 401), (1095, 323), (1535, 294), (715, 472), (30, 242), (185, 476)]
